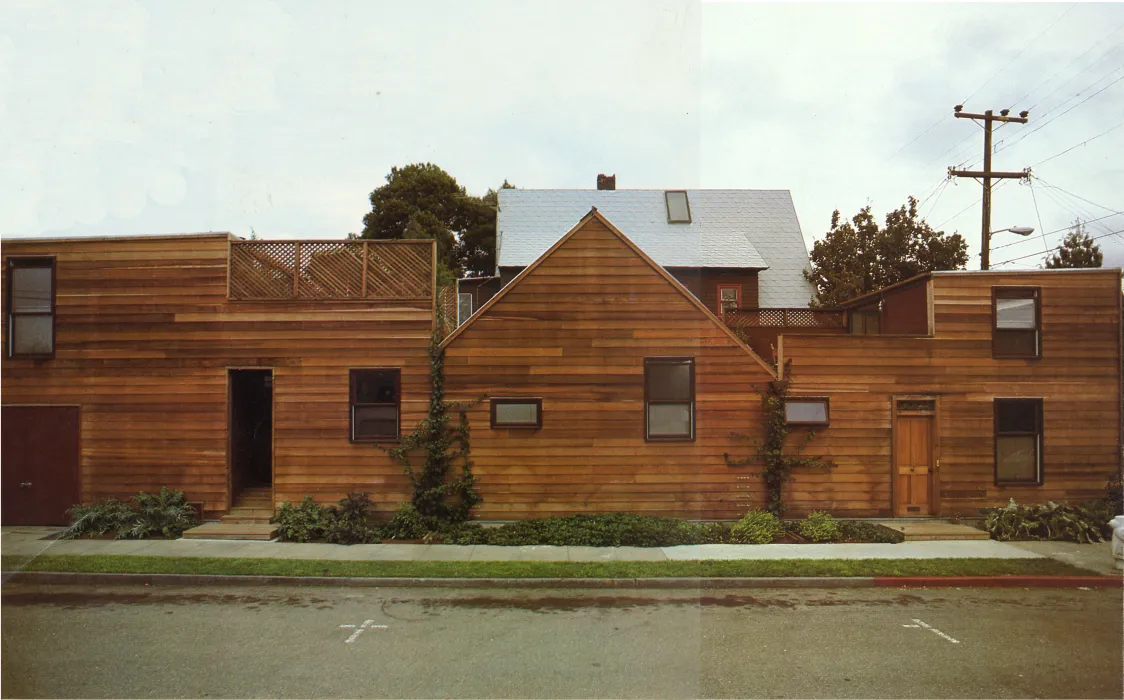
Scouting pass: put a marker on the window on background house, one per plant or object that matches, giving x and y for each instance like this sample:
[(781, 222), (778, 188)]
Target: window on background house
[(376, 400), (729, 297), (1017, 314), (866, 321), (806, 411), (31, 307), (1018, 441), (517, 413), (678, 208), (464, 307), (669, 398)]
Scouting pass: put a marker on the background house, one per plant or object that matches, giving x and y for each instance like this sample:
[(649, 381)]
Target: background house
[(741, 246)]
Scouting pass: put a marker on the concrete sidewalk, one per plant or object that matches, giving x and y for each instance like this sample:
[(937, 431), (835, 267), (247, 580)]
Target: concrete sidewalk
[(28, 541)]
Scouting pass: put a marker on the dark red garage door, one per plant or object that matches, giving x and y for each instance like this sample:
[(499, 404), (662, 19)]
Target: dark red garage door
[(39, 463)]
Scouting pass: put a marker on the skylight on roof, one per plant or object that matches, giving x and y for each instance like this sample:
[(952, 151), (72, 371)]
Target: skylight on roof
[(678, 210)]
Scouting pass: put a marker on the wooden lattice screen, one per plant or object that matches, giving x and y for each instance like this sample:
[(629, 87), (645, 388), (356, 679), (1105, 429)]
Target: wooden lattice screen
[(375, 270), (446, 310), (786, 318)]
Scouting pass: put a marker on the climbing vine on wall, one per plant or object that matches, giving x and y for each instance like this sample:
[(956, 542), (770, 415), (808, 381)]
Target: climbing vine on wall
[(776, 464), (444, 486)]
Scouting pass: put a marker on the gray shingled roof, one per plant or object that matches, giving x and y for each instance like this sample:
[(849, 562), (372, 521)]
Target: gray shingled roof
[(729, 228)]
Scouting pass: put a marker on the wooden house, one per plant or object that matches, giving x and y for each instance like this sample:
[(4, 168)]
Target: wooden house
[(209, 364)]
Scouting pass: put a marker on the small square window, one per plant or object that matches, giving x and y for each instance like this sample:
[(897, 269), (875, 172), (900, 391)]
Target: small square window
[(517, 413), (678, 209), (806, 411), (376, 399)]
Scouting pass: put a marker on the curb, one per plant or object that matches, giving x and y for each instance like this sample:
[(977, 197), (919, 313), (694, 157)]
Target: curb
[(76, 578)]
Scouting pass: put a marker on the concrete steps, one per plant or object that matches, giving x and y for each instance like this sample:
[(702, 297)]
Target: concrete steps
[(247, 520), (930, 530), (232, 531)]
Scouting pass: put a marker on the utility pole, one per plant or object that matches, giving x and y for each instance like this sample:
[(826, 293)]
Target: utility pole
[(988, 118)]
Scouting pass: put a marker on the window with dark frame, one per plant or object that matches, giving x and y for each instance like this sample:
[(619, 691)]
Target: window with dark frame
[(807, 410), (1016, 322), (866, 321), (376, 402), (669, 398), (1018, 441), (516, 412), (31, 307), (678, 208), (464, 307)]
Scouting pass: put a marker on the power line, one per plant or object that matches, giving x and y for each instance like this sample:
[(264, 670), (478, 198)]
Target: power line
[(938, 226), (1094, 238), (1076, 75), (1041, 226), (914, 139), (1094, 138), (1067, 67), (938, 199), (1020, 53), (1079, 197), (1050, 233), (1048, 121)]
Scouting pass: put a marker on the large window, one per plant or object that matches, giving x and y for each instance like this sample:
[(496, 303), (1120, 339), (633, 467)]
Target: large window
[(376, 400), (669, 398), (31, 307), (517, 413), (1018, 441), (1017, 324)]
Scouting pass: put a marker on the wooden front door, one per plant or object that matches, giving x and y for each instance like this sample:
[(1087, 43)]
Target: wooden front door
[(913, 465), (39, 462)]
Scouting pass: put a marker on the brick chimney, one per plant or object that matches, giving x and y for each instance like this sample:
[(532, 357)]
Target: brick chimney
[(607, 182)]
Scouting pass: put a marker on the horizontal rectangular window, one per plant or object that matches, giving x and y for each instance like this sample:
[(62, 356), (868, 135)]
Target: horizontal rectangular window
[(1017, 314), (31, 307), (1018, 441), (514, 412), (375, 398), (669, 398), (806, 411)]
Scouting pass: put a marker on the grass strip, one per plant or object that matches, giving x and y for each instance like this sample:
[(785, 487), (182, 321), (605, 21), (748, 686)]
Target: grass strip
[(102, 563)]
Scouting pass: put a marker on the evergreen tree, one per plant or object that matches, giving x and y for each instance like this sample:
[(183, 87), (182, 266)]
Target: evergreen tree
[(1077, 250)]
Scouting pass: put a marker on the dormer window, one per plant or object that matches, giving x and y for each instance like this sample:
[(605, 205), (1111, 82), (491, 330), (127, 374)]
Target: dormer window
[(678, 209)]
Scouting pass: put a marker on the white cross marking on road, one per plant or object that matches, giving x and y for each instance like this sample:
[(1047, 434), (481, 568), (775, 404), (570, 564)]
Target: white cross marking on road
[(367, 624), (932, 629)]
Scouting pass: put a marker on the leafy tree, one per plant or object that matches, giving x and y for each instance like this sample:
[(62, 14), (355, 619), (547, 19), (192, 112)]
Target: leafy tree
[(422, 201), (858, 256), (1077, 250)]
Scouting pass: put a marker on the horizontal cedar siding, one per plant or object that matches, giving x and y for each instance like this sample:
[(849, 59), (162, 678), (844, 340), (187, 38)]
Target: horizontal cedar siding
[(1078, 377), (144, 337), (575, 332)]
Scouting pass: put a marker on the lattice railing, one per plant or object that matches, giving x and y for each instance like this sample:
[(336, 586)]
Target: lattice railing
[(786, 318), (446, 310), (375, 270)]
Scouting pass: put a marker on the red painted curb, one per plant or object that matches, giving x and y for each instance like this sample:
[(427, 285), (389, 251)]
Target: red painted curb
[(1011, 581)]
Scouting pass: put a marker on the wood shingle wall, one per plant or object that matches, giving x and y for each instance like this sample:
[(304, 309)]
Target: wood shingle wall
[(144, 337), (1077, 378)]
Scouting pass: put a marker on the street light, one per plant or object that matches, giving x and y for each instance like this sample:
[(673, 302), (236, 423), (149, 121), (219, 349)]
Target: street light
[(1020, 230)]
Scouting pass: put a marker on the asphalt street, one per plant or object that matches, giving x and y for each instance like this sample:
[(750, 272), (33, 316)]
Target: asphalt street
[(153, 642)]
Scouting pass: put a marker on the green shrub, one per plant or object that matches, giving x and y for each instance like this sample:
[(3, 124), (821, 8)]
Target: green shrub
[(862, 531), (409, 524), (166, 513), (308, 522), (604, 530), (352, 522), (98, 518), (819, 527), (757, 527), (1114, 495), (1049, 522)]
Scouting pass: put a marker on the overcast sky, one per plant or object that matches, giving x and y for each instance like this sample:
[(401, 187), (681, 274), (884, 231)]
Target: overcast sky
[(122, 117)]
